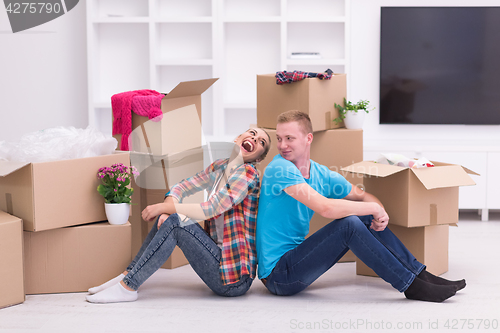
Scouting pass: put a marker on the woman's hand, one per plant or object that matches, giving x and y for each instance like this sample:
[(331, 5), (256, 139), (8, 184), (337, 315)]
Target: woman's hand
[(162, 219), (152, 211)]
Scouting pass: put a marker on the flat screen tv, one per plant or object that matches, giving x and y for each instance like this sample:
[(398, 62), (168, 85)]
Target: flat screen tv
[(440, 65)]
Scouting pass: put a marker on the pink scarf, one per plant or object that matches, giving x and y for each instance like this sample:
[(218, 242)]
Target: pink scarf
[(145, 103)]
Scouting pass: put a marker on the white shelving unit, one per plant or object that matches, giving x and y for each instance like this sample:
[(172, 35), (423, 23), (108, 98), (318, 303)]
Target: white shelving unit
[(155, 44)]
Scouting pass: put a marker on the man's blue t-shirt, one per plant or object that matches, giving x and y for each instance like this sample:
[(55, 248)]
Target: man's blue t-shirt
[(282, 221)]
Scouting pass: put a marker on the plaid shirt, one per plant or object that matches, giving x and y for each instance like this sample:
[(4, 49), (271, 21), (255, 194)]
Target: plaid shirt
[(237, 200), (289, 77)]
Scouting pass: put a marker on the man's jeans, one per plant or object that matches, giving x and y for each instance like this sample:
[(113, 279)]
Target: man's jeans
[(200, 250), (382, 251)]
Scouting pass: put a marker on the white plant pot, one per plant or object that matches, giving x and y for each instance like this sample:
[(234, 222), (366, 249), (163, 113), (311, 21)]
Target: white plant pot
[(354, 120), (117, 213)]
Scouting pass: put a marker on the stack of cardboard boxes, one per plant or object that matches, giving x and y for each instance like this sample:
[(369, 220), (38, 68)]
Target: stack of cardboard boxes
[(62, 248), (332, 146), (421, 204), (165, 152)]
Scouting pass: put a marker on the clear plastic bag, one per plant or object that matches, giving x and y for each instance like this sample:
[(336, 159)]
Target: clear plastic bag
[(59, 143), (403, 161)]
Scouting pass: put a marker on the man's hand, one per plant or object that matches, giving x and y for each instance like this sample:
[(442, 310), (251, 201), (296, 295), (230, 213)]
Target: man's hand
[(380, 220)]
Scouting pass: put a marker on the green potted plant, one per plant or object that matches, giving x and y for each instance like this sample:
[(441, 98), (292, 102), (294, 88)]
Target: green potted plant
[(115, 189), (352, 114)]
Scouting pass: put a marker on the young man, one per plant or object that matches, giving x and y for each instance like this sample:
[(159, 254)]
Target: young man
[(293, 188)]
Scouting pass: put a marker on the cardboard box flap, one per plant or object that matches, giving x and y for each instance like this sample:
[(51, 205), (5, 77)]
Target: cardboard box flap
[(373, 169), (469, 171), (190, 88), (6, 218), (443, 176), (8, 167)]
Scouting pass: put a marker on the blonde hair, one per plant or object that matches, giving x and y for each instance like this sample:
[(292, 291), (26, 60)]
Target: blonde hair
[(266, 149), (298, 116)]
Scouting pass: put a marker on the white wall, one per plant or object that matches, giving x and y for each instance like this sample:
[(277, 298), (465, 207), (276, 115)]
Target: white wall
[(43, 75), (364, 82)]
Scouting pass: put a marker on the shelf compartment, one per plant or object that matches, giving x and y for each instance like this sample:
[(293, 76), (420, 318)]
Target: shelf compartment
[(252, 19), (121, 60), (185, 62), (315, 9), (183, 19), (121, 20), (311, 37), (171, 9), (115, 9), (254, 8), (239, 120), (170, 76), (250, 49), (184, 41)]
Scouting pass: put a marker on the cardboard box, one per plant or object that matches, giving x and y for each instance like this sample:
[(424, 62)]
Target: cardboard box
[(74, 259), (184, 94), (179, 130), (339, 148), (428, 244), (313, 96), (415, 197), (11, 260), (50, 195)]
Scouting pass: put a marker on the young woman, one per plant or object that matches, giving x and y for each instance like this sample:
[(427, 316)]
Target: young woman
[(224, 255)]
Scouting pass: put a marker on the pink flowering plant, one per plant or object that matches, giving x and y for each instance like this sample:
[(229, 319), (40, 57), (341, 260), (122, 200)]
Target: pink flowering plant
[(115, 180)]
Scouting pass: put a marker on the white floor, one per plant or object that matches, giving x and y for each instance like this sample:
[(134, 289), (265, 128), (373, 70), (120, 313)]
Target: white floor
[(340, 301)]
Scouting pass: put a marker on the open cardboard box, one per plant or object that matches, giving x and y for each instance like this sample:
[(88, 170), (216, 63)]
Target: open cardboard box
[(184, 94), (50, 195), (11, 260), (313, 96), (415, 197), (428, 244), (73, 259)]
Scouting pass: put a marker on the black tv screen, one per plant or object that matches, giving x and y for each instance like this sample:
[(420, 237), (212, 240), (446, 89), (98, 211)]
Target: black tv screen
[(440, 65)]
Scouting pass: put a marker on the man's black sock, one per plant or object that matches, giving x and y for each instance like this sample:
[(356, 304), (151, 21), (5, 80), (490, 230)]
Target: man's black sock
[(431, 278), (424, 291)]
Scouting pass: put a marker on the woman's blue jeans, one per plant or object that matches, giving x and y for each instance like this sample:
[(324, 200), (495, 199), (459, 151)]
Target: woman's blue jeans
[(200, 250), (382, 251)]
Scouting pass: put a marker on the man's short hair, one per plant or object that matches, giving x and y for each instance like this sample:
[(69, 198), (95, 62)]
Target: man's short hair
[(298, 116)]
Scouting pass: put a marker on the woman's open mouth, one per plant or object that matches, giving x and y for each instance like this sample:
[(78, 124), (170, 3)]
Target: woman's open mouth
[(248, 146)]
